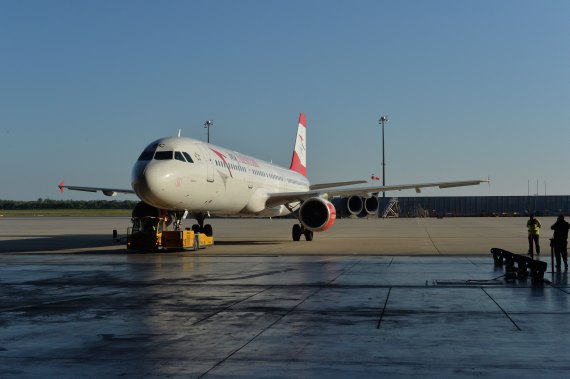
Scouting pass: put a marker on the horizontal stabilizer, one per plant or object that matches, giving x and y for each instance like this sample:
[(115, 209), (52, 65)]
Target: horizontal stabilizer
[(105, 191)]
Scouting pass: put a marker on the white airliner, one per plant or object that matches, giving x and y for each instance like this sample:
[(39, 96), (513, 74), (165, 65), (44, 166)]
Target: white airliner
[(181, 175)]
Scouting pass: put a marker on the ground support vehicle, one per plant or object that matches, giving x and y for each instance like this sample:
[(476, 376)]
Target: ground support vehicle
[(151, 234)]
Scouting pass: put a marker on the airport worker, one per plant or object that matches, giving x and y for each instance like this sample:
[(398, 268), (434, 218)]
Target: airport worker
[(560, 240), (533, 226)]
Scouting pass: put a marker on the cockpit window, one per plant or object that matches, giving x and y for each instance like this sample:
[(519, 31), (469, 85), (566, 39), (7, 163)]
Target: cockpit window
[(178, 156), (188, 158), (148, 153), (163, 155)]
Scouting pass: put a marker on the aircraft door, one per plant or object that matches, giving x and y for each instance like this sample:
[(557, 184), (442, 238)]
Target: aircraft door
[(249, 177), (207, 159)]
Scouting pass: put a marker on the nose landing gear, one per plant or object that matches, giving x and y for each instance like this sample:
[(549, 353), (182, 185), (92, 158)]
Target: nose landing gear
[(200, 227)]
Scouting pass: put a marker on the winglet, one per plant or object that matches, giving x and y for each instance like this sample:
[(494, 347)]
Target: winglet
[(299, 160), (61, 186)]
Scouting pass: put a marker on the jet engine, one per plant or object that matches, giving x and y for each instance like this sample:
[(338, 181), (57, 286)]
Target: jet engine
[(371, 206), (348, 206), (317, 214), (354, 205)]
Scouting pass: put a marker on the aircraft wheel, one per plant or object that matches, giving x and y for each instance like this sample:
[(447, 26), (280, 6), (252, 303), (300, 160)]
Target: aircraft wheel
[(196, 228), (208, 230), (296, 232), (308, 235)]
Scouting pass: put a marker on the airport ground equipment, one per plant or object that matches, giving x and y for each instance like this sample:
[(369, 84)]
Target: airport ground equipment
[(392, 208), (151, 234), (525, 266)]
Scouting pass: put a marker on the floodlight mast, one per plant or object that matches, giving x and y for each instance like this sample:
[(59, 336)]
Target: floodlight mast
[(382, 121), (208, 124)]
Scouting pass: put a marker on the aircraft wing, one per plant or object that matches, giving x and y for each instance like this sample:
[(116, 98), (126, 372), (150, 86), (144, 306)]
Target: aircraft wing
[(105, 191), (275, 199), (335, 184)]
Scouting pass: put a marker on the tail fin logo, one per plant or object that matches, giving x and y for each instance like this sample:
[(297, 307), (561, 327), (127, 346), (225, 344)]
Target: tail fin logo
[(299, 160)]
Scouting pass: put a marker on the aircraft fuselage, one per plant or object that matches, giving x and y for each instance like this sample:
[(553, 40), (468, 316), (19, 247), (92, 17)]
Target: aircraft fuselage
[(179, 173)]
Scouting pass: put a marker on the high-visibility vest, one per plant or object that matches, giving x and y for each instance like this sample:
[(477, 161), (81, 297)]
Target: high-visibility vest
[(533, 227)]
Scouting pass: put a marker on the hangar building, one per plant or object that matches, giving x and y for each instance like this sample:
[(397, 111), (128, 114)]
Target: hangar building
[(470, 206)]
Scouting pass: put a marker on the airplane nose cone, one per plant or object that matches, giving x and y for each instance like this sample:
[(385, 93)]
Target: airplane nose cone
[(150, 183)]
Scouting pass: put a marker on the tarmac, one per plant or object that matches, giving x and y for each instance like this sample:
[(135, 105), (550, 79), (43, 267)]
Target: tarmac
[(393, 298)]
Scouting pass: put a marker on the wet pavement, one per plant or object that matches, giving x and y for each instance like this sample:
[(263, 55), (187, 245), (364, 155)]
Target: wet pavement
[(104, 313), (175, 315)]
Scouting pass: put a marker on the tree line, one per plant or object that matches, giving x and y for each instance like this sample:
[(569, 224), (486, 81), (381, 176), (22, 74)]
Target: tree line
[(66, 204)]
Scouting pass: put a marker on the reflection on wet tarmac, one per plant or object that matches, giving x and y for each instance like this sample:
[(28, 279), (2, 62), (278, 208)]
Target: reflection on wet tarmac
[(192, 316)]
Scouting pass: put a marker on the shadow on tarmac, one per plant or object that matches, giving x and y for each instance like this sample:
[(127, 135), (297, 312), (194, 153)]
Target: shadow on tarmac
[(245, 243), (59, 242), (89, 241)]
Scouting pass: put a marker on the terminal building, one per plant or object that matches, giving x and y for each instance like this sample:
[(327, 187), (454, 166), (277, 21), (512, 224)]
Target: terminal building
[(474, 206)]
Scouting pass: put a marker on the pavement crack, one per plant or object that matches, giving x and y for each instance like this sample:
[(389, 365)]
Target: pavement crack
[(502, 310), (384, 308), (429, 236), (231, 305), (261, 332), (279, 319), (342, 272)]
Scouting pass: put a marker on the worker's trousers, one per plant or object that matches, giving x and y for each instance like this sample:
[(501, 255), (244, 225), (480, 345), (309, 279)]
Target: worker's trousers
[(533, 237)]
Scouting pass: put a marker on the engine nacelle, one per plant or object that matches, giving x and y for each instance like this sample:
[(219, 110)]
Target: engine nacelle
[(317, 214), (354, 205), (371, 206)]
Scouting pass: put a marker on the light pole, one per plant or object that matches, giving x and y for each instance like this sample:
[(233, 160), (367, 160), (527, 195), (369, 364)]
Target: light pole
[(382, 121), (208, 124)]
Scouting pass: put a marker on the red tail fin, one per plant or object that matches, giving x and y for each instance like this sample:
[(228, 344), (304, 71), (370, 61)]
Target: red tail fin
[(299, 160)]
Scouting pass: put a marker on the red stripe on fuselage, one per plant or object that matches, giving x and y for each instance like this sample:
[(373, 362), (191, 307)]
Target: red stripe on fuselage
[(223, 158)]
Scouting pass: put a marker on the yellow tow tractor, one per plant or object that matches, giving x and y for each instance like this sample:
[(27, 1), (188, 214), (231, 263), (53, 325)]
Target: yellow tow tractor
[(151, 234)]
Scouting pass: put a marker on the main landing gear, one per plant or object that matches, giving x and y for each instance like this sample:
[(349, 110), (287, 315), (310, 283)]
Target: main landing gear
[(298, 230), (200, 227)]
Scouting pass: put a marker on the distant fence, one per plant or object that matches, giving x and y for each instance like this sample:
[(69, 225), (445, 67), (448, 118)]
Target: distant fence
[(472, 206)]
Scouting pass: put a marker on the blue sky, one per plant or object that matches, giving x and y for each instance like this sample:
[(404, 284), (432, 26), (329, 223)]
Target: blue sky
[(472, 89)]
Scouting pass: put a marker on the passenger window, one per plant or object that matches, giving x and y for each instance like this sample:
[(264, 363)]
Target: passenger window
[(179, 157), (188, 158), (163, 155)]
